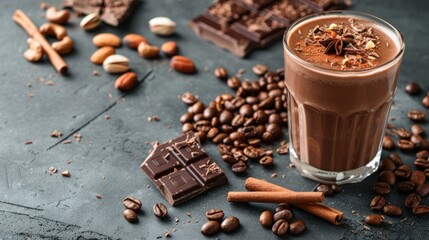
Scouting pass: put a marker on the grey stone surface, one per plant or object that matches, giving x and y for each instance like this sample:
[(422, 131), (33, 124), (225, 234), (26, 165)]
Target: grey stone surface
[(36, 205)]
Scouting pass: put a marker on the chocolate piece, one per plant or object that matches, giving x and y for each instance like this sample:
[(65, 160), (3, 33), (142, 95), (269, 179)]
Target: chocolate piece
[(181, 169), (240, 26)]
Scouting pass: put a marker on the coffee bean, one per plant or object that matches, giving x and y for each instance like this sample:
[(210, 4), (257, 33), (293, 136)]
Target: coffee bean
[(412, 200), (388, 177), (233, 82), (260, 117), (189, 98), (418, 141), (202, 125), (212, 133), (250, 132), (425, 101), (228, 141), (198, 117), (280, 227), (403, 172), (210, 228), (214, 214), (238, 121), (259, 69), (405, 145), (266, 161), (198, 107), (215, 122), (396, 159), (246, 110), (201, 136), (421, 163), (130, 216), (282, 206), (417, 129), (226, 117), (187, 117), (266, 219), (382, 188), (421, 210), (412, 88), (224, 149), (335, 188), (251, 152), (210, 113), (388, 143), (230, 224), (406, 186), (387, 164), (229, 159), (219, 138), (285, 214), (403, 133), (374, 219), (296, 227), (227, 129), (160, 210), (221, 73), (267, 103), (416, 115), (418, 177), (187, 127), (240, 145), (267, 137), (325, 189), (422, 154), (377, 203), (237, 136), (254, 142), (239, 167), (239, 155), (274, 129), (392, 210), (132, 203), (423, 190)]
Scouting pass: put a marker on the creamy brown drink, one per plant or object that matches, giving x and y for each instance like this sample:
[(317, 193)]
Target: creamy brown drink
[(341, 70)]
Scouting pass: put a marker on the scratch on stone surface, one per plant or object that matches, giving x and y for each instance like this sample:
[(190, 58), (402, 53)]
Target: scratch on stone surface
[(77, 90), (66, 136), (22, 206)]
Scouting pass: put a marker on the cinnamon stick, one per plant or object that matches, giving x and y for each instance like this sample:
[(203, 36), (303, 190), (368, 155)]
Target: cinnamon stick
[(25, 22), (327, 213), (276, 197)]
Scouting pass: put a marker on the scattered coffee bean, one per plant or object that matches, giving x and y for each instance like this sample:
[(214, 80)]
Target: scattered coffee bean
[(406, 186), (296, 227), (221, 73), (266, 219), (187, 127), (405, 145), (421, 163), (412, 88), (285, 214), (335, 188), (266, 161), (259, 69), (189, 98), (422, 154), (403, 133), (387, 164), (160, 210), (382, 188), (425, 101), (403, 172), (214, 214), (416, 115), (417, 129), (388, 177), (239, 167), (388, 143), (418, 177), (374, 219), (132, 203), (280, 227), (325, 189), (392, 210), (377, 203), (423, 190), (421, 210), (230, 224), (210, 228), (130, 216), (396, 159), (412, 200)]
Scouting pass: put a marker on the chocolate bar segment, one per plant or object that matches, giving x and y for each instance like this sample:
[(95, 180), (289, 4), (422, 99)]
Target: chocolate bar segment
[(181, 169)]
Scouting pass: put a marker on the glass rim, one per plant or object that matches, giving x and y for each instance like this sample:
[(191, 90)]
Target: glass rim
[(345, 13)]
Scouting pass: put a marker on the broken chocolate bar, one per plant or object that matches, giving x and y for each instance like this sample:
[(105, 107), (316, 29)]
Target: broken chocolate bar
[(240, 26), (181, 169)]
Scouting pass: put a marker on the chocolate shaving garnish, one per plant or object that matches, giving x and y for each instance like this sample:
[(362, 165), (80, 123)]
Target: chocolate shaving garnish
[(335, 46)]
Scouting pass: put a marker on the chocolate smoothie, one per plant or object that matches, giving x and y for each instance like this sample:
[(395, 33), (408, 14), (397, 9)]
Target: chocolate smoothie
[(341, 72)]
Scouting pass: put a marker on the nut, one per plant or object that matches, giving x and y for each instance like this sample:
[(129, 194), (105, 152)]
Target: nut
[(101, 54), (52, 29), (55, 16), (148, 51), (90, 21), (106, 39), (34, 52), (182, 64), (116, 64), (169, 48), (133, 40), (162, 26), (64, 46), (126, 81)]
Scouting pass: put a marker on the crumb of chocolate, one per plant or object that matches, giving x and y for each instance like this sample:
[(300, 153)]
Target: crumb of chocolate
[(99, 196), (77, 137), (28, 142), (56, 134), (65, 173), (107, 116), (29, 84), (153, 118), (52, 170), (67, 141)]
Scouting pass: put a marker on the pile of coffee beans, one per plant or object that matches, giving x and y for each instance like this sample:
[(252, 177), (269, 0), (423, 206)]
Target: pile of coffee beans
[(281, 222), (217, 223), (132, 205), (328, 189), (239, 123)]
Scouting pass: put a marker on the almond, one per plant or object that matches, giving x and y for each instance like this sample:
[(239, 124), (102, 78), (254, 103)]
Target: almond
[(182, 64), (133, 40), (101, 54), (169, 48), (106, 39), (148, 51), (126, 81)]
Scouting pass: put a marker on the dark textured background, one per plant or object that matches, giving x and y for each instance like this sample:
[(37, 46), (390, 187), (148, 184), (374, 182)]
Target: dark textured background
[(35, 205)]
